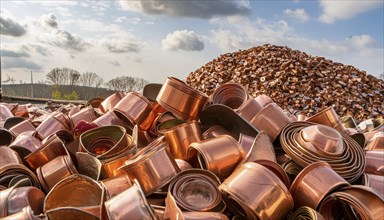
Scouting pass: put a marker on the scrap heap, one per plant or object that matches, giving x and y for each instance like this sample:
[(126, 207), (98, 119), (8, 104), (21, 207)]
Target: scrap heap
[(295, 81)]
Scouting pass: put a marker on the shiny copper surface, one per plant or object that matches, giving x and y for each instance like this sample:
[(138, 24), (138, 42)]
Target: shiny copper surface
[(5, 112), (246, 142), (22, 127), (180, 137), (110, 166), (254, 192), (249, 109), (130, 204), (6, 137), (87, 114), (181, 99), (328, 117), (110, 102), (70, 213), (263, 100), (52, 148), (306, 213), (323, 138), (276, 169), (231, 94), (12, 121), (115, 185), (25, 214), (271, 119), (314, 183), (215, 131), (25, 143), (374, 162), (377, 142), (376, 182), (219, 155), (53, 123), (183, 165), (353, 202), (109, 118), (135, 109), (153, 168), (164, 126), (151, 90), (196, 190), (21, 111), (261, 149), (349, 163), (55, 170), (88, 165)]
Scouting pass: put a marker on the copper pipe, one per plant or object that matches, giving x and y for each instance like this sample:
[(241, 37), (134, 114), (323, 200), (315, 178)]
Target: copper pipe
[(181, 99), (328, 117), (180, 137), (110, 102), (219, 155)]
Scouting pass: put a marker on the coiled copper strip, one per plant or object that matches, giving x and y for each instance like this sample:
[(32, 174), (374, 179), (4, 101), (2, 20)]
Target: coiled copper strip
[(353, 202), (328, 117), (231, 94), (350, 164), (305, 213), (196, 190), (314, 183), (135, 109), (181, 99), (247, 192)]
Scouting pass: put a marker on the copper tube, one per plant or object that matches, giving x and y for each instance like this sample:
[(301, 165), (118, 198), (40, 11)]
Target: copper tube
[(231, 94), (306, 213), (247, 193), (53, 123), (88, 196), (110, 102), (353, 202), (153, 168), (180, 137), (52, 148), (219, 155), (25, 143), (5, 112), (374, 163), (55, 170), (22, 127), (196, 190), (314, 183), (271, 119), (215, 131), (261, 149), (115, 185), (87, 114), (224, 116), (135, 109), (181, 99), (328, 117), (130, 204), (14, 199), (6, 137), (109, 118), (376, 182)]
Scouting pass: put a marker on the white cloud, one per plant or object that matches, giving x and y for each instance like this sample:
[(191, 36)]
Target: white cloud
[(187, 8), (10, 27), (65, 40), (49, 20), (120, 43), (10, 63), (335, 10), (97, 26), (298, 14), (182, 40)]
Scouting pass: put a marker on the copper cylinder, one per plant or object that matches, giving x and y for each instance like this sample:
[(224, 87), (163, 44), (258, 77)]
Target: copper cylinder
[(215, 131), (263, 100), (254, 192), (5, 112), (52, 148), (328, 117), (135, 109), (376, 182), (55, 170), (180, 137), (249, 109), (76, 191), (219, 155), (6, 137), (307, 213), (277, 170), (231, 94), (26, 143), (197, 190), (14, 199), (314, 183), (180, 99), (53, 123), (130, 204), (111, 101), (377, 142), (22, 127), (110, 166), (109, 118), (153, 168), (25, 214), (115, 185), (12, 121), (353, 202), (87, 114), (374, 162), (271, 119)]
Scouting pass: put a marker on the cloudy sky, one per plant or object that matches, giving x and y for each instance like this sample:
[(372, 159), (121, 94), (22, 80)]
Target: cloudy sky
[(153, 39)]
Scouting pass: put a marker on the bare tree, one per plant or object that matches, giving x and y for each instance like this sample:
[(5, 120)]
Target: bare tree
[(91, 79), (126, 83), (55, 76)]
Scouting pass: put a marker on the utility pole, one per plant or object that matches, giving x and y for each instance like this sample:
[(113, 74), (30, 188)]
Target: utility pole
[(31, 85)]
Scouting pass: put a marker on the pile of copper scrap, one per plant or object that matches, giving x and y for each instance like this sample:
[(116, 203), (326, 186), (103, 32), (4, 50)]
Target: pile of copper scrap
[(295, 80), (172, 152)]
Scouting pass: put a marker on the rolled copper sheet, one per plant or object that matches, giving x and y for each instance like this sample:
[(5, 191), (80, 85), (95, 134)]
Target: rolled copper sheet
[(219, 155), (53, 123), (377, 142), (14, 199), (180, 99), (5, 112), (254, 192), (231, 94), (374, 162), (87, 114), (328, 117), (276, 169), (26, 143), (271, 119), (6, 137), (135, 109), (130, 204), (52, 148), (314, 183), (249, 109), (180, 137), (115, 185), (353, 202), (261, 149), (196, 190), (22, 127), (12, 121), (153, 168), (110, 102), (55, 170), (263, 100), (76, 191), (346, 159), (376, 182), (109, 118), (183, 165), (216, 131), (306, 213)]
